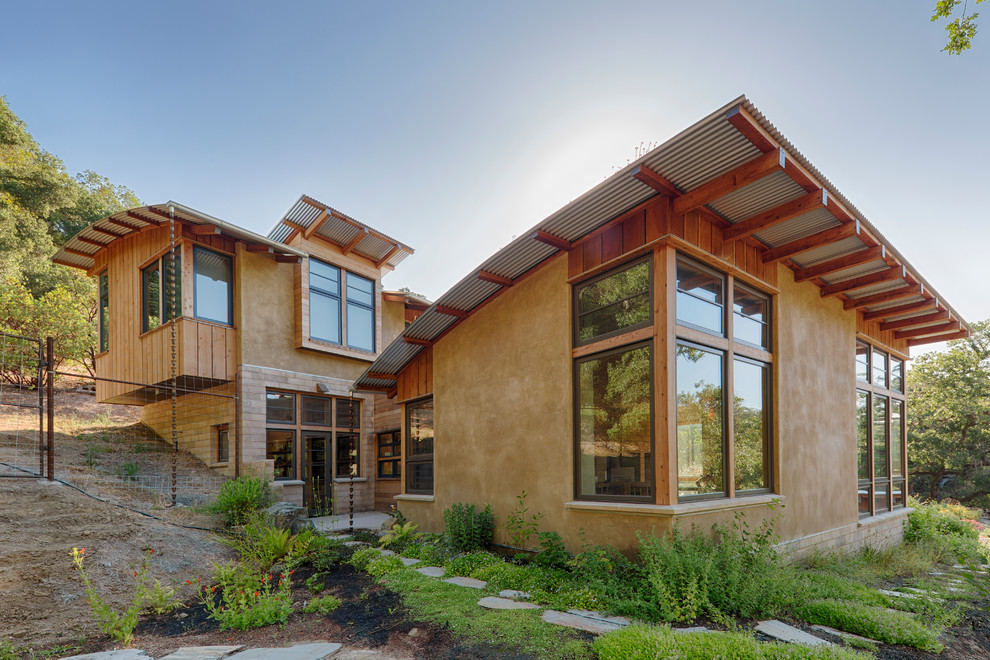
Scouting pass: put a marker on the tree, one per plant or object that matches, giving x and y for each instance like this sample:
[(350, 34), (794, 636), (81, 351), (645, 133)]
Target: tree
[(949, 424), (961, 30)]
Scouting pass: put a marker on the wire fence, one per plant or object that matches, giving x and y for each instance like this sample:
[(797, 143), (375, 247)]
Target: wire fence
[(21, 407)]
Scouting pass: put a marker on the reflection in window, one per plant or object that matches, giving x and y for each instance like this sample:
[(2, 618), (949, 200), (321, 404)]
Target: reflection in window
[(750, 426), (613, 303), (897, 438), (104, 319), (223, 443), (700, 459), (159, 307), (862, 362), (896, 374), (280, 407), (750, 323), (616, 424), (348, 413), (324, 301), (347, 455), (879, 368), (879, 436), (316, 410), (862, 435), (419, 450), (280, 446), (212, 277), (699, 297)]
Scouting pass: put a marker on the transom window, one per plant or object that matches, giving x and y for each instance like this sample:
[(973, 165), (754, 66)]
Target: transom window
[(614, 303), (880, 428), (341, 306)]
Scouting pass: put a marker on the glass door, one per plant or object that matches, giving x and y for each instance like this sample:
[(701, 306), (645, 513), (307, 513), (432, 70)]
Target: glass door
[(318, 489)]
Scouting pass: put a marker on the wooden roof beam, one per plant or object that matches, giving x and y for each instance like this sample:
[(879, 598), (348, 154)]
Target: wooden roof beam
[(204, 230), (915, 320), (908, 291), (810, 242), (78, 253), (89, 241), (552, 241), (840, 263), (645, 175), (750, 128), (782, 213), (66, 263), (353, 243), (722, 185), (160, 214), (121, 223), (962, 334), (377, 375), (416, 341), (258, 247), (388, 255), (141, 218), (485, 276), (107, 232), (890, 312), (313, 226), (451, 311), (929, 330), (863, 281)]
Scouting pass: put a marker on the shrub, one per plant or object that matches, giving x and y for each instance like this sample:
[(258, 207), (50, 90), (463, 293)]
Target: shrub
[(400, 536), (431, 551), (239, 497), (383, 565), (516, 524), (950, 531), (247, 600), (322, 605), (877, 623), (316, 583), (637, 643), (262, 544), (552, 553), (327, 553), (467, 529), (362, 557), (467, 565)]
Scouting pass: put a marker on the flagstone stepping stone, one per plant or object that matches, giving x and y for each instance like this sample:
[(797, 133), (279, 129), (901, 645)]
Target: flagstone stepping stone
[(897, 594), (409, 561), (494, 603), (594, 626), (430, 571), (842, 634), (314, 651), (356, 544), (202, 652), (785, 633), (692, 629), (591, 614), (467, 582), (121, 654), (514, 594), (386, 553)]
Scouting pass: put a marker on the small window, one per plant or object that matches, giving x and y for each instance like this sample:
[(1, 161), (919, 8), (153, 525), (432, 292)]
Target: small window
[(614, 303), (419, 452), (104, 319), (896, 374), (347, 455), (315, 411), (897, 438), (751, 319), (281, 448), (862, 362), (389, 453), (700, 297), (879, 368), (360, 313), (348, 414), (281, 407), (212, 290), (158, 302), (223, 443)]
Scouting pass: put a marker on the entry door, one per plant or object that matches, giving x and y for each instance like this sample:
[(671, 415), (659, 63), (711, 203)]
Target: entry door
[(319, 474)]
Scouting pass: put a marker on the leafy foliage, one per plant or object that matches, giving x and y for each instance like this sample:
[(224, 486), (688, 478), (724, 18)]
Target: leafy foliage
[(961, 30), (951, 531), (239, 497), (261, 544), (552, 553), (466, 528), (400, 536), (243, 599), (878, 623), (949, 425), (322, 605), (519, 528)]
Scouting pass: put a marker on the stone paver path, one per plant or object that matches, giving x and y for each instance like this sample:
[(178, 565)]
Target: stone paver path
[(122, 654), (409, 561), (594, 626), (314, 651), (785, 633), (494, 603), (514, 594), (311, 651), (202, 652), (618, 620), (467, 582), (845, 635), (430, 571)]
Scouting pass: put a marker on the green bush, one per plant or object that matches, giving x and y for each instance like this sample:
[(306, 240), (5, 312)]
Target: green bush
[(467, 529), (431, 551), (326, 553), (243, 599), (637, 643), (552, 553), (363, 556), (401, 536), (239, 497), (950, 531), (322, 605), (261, 544), (877, 623), (467, 564), (383, 565)]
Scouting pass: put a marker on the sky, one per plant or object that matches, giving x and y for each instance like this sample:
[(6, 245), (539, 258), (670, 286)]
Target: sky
[(455, 126)]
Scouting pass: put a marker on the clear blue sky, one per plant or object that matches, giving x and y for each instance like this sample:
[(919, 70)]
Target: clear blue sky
[(454, 126)]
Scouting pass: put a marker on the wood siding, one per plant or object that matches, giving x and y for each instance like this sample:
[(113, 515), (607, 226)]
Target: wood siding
[(416, 379)]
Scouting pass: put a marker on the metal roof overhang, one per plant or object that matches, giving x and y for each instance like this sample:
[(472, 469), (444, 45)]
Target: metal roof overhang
[(80, 250), (340, 230), (708, 149)]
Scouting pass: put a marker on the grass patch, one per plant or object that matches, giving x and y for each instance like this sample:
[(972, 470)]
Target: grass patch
[(517, 630), (877, 623)]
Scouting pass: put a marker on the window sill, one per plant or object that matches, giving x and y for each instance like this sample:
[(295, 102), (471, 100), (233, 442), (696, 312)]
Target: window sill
[(330, 348), (883, 517), (414, 498), (287, 482), (347, 480), (674, 510), (220, 464)]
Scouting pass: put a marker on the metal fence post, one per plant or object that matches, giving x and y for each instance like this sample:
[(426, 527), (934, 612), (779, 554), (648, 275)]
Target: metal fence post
[(50, 387)]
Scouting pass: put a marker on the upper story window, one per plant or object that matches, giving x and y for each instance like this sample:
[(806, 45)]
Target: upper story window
[(104, 318), (341, 306), (161, 291), (212, 286), (614, 303), (700, 296)]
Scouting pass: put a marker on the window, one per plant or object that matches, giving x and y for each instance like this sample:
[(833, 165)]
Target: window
[(281, 407), (330, 432), (316, 410), (389, 453), (281, 448), (212, 290), (347, 320), (419, 450), (104, 319), (347, 455), (733, 365), (880, 441), (223, 443), (158, 306), (614, 303)]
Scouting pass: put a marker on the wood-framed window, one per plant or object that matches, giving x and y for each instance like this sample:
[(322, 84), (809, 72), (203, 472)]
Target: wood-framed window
[(341, 306), (160, 300), (613, 385), (881, 460), (389, 454), (213, 286), (104, 317), (419, 446), (722, 355), (330, 432), (223, 443)]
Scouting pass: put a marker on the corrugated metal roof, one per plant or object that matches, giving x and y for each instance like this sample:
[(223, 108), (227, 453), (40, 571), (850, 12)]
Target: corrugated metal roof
[(696, 155), (108, 229)]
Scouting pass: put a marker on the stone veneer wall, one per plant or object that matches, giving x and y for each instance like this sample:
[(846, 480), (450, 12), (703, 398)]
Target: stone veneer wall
[(878, 532), (255, 381), (197, 416)]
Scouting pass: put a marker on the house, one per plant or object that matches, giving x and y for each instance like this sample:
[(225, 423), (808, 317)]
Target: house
[(710, 330), (269, 333)]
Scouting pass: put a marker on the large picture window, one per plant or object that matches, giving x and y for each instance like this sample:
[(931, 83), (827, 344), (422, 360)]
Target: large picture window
[(880, 442), (419, 447), (341, 306), (158, 302), (723, 385), (212, 286)]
